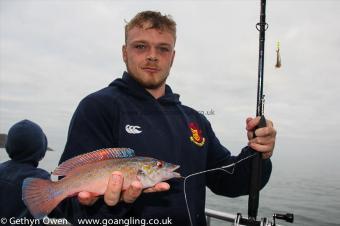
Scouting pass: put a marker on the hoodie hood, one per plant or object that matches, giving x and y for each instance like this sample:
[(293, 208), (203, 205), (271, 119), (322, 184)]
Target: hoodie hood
[(26, 142), (132, 87)]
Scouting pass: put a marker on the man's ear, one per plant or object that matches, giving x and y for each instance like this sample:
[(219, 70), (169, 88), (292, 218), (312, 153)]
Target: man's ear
[(173, 57), (124, 54)]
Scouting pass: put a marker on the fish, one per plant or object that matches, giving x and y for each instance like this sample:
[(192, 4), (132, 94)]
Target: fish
[(91, 172)]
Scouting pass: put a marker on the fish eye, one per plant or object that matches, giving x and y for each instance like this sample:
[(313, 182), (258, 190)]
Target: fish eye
[(159, 164)]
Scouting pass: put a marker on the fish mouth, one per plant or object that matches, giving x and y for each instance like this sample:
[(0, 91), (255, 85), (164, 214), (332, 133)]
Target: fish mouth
[(175, 174)]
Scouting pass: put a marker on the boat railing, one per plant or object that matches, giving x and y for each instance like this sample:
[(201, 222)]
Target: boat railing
[(215, 214), (209, 213)]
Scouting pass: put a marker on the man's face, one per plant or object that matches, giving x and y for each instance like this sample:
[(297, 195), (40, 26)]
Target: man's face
[(148, 55)]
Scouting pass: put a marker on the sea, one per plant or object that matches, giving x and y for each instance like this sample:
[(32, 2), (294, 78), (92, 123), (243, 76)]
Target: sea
[(309, 189), (310, 192), (314, 202)]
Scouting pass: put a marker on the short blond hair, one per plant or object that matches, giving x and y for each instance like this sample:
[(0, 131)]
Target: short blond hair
[(153, 20)]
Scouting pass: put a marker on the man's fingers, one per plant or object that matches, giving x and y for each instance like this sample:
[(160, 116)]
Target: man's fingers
[(251, 123), (267, 155), (263, 139), (250, 135), (261, 132), (261, 147), (265, 132), (270, 123), (87, 198), (163, 186), (267, 151), (133, 192), (114, 188), (114, 193)]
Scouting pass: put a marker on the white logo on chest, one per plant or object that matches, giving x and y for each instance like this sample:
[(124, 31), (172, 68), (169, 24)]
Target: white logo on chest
[(133, 129)]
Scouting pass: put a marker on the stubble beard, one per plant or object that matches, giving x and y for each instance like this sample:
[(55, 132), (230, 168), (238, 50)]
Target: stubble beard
[(149, 83)]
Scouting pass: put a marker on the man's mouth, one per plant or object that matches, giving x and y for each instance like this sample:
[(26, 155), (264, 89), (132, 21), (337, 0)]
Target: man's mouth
[(150, 69)]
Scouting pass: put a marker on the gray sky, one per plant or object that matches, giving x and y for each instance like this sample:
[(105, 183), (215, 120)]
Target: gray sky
[(53, 53)]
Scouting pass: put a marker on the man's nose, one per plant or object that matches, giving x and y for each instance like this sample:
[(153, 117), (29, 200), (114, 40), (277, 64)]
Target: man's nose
[(152, 55)]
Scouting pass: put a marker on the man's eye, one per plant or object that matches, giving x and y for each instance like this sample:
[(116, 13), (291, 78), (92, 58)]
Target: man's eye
[(140, 46), (164, 49)]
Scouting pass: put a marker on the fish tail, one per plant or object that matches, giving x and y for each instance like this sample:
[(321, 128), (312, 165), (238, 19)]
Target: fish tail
[(40, 196)]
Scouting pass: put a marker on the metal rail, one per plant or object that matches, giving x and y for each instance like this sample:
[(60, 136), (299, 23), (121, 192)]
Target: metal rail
[(209, 213), (228, 217)]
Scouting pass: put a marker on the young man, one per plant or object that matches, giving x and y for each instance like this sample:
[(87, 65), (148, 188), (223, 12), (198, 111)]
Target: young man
[(141, 112), (26, 145)]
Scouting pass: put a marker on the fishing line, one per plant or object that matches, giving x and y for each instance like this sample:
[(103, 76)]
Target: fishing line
[(223, 168)]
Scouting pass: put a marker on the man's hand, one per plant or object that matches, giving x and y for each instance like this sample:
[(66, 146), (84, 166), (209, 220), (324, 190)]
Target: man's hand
[(114, 192), (265, 137)]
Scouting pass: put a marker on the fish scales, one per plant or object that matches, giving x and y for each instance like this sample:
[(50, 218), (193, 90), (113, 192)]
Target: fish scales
[(91, 177)]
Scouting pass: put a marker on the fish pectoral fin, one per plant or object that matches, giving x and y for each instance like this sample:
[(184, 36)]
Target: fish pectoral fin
[(140, 174)]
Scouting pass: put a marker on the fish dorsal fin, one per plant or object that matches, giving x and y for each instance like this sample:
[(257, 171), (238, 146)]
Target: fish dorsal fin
[(94, 156)]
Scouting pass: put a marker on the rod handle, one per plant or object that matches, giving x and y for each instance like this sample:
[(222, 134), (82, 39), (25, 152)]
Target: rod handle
[(262, 122)]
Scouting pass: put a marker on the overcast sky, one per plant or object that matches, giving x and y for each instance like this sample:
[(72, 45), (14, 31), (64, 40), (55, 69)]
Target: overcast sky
[(53, 53)]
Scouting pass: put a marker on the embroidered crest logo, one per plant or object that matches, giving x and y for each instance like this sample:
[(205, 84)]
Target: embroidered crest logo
[(196, 137)]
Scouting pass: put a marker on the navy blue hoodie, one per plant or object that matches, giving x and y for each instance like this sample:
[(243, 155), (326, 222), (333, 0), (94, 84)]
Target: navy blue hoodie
[(26, 145), (124, 114)]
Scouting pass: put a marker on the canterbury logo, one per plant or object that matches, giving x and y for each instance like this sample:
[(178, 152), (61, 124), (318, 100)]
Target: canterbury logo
[(133, 129)]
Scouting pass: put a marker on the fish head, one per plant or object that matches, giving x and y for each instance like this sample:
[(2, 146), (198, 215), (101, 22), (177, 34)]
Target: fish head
[(154, 171)]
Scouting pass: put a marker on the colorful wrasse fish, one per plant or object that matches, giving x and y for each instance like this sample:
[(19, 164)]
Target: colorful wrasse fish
[(90, 172)]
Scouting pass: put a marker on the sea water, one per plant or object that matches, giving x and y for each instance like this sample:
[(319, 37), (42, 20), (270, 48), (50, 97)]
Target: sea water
[(309, 190)]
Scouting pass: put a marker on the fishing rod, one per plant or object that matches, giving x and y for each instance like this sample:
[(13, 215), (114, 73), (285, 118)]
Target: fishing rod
[(256, 173), (256, 162)]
